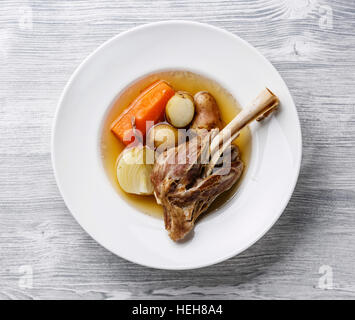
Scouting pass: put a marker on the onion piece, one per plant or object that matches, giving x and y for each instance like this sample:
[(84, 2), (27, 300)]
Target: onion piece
[(134, 166)]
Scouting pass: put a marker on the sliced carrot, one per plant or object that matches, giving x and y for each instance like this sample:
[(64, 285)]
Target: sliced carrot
[(148, 106)]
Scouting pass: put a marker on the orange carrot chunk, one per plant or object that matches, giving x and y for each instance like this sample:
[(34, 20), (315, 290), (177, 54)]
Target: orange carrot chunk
[(148, 106)]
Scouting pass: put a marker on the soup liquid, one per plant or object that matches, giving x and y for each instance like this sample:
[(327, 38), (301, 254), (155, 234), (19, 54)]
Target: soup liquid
[(111, 147)]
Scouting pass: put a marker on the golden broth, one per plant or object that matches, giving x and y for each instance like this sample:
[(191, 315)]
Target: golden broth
[(180, 80)]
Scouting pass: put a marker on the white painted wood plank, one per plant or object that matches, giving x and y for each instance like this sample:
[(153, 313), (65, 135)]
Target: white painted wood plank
[(317, 62)]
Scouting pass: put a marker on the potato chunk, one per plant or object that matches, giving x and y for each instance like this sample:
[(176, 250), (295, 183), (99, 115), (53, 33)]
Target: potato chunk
[(180, 109), (207, 112), (162, 135)]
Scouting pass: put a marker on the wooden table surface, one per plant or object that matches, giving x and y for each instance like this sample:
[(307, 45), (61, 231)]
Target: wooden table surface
[(309, 253)]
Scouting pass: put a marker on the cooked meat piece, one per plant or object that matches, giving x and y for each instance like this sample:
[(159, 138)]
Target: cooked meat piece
[(186, 189), (182, 186)]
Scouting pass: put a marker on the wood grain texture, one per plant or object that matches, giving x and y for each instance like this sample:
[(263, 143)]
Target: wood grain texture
[(317, 61)]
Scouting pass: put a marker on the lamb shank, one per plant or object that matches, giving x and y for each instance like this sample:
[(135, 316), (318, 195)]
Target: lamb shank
[(189, 177)]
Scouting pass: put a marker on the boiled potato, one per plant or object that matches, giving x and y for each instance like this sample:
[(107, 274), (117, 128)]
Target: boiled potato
[(162, 135), (134, 166), (180, 109), (207, 112)]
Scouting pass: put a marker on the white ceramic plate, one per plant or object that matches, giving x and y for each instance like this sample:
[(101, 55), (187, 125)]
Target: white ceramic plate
[(222, 56)]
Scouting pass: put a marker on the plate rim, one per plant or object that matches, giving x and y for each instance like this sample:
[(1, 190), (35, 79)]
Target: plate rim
[(233, 37)]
